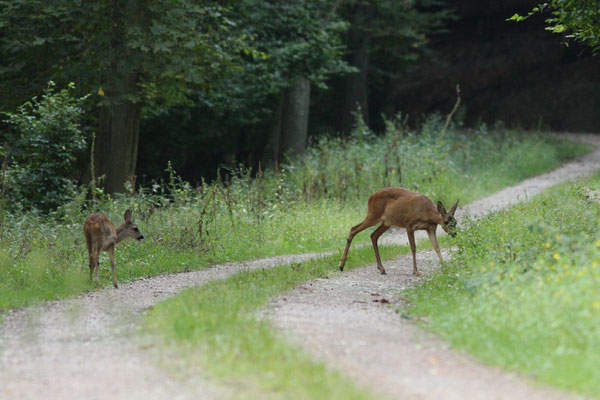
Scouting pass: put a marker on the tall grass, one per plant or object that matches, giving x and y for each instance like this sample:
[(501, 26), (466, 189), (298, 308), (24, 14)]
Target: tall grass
[(304, 205), (523, 290)]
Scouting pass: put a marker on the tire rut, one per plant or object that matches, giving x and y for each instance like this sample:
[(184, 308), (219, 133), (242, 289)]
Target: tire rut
[(87, 347)]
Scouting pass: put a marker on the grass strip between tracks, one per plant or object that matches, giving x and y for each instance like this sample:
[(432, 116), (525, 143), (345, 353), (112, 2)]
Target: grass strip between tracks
[(217, 327)]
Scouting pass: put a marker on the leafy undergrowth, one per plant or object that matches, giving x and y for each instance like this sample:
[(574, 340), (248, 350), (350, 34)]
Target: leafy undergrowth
[(306, 206), (523, 290), (215, 326)]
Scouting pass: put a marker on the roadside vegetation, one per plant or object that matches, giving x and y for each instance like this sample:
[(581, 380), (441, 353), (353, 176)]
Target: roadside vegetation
[(302, 206), (523, 289)]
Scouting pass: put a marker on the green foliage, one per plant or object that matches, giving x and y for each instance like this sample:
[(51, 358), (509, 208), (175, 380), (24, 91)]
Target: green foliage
[(522, 290), (294, 39), (397, 28), (223, 335), (180, 49), (171, 45), (45, 137), (579, 17)]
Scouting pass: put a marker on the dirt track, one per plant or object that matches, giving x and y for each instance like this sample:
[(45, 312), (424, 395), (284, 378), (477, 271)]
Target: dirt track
[(347, 323), (82, 347)]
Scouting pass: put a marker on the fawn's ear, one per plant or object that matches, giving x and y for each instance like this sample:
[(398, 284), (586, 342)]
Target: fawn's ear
[(441, 208), (127, 216), (453, 208)]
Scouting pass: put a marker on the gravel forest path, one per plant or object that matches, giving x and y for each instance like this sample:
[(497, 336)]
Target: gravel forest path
[(86, 347)]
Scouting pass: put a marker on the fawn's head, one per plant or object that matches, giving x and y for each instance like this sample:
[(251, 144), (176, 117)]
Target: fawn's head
[(128, 229), (448, 220)]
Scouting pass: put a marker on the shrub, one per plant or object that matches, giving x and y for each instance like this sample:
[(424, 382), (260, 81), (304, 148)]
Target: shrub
[(40, 150)]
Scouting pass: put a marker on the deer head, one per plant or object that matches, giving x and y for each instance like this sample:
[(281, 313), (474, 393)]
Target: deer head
[(128, 229), (448, 220)]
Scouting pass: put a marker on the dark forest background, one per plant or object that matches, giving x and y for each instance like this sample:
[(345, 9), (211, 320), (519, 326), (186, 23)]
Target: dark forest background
[(515, 73), (204, 84)]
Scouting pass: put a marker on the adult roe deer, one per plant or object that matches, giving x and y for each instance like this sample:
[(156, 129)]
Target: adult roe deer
[(405, 209), (101, 235)]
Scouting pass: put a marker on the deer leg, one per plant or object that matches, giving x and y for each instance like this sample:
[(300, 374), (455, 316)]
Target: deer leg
[(97, 252), (353, 232), (433, 239), (374, 237), (413, 250), (97, 266), (92, 264), (111, 253), (88, 244)]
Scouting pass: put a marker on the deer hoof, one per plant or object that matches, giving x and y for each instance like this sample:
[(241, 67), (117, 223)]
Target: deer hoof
[(382, 272)]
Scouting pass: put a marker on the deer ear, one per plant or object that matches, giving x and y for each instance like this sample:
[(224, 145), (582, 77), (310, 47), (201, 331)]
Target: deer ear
[(127, 216), (441, 208), (453, 208)]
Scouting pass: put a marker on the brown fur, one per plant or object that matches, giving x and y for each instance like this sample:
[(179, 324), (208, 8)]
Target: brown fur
[(405, 209), (101, 235)]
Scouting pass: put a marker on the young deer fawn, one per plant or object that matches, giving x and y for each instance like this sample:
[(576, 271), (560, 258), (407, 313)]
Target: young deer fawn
[(405, 209), (101, 235)]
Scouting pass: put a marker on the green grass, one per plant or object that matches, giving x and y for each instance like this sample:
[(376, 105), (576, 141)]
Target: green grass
[(307, 206), (523, 290), (215, 326)]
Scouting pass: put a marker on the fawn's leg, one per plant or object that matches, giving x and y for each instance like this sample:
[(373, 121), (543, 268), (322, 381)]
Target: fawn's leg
[(97, 266), (374, 236), (413, 250), (97, 252), (88, 245), (92, 264), (111, 253)]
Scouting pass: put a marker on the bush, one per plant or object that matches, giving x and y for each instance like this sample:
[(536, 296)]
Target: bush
[(40, 150)]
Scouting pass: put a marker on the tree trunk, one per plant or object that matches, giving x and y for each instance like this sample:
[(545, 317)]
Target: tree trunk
[(119, 127), (294, 119), (271, 153), (117, 143), (354, 93)]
